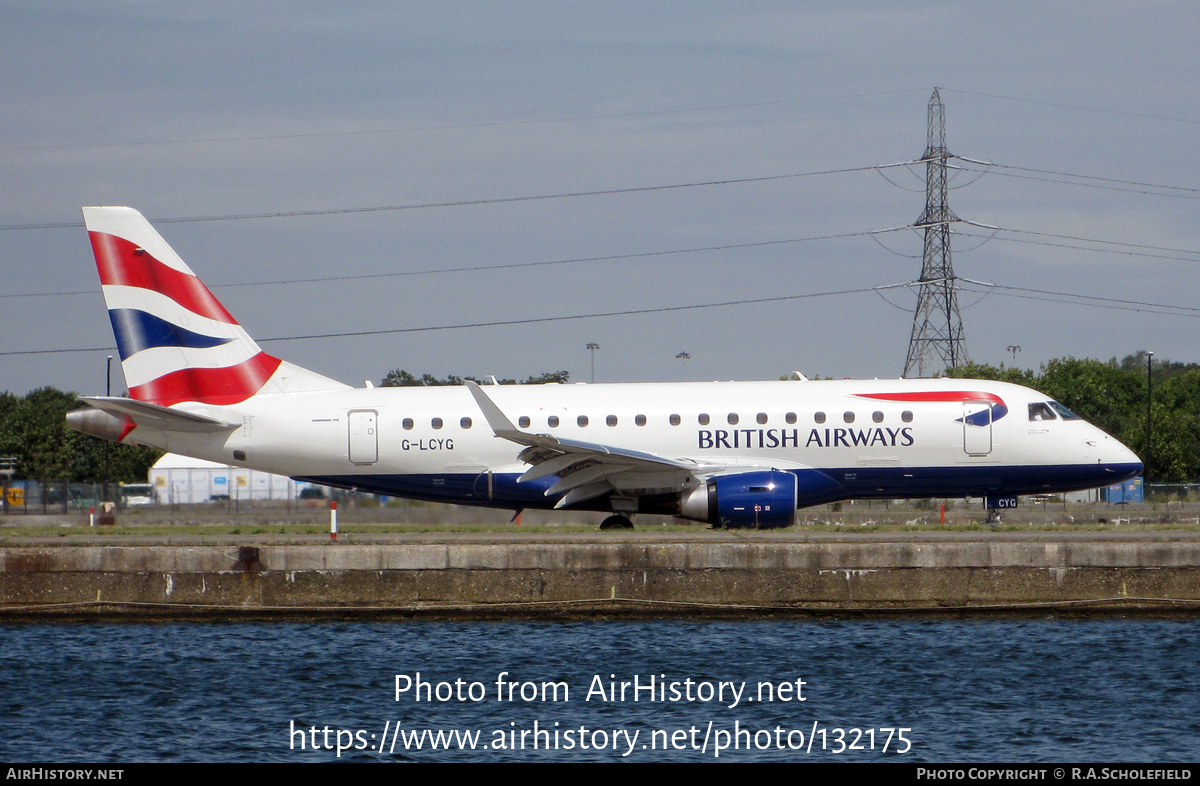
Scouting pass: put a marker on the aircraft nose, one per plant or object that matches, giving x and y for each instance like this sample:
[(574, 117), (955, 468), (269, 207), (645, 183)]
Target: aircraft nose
[(1114, 456)]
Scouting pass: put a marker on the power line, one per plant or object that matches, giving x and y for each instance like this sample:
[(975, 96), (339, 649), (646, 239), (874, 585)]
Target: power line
[(1069, 298), (1103, 186), (1118, 252), (1087, 239), (501, 323), (873, 234), (1051, 299), (1093, 301), (629, 312), (508, 266), (1075, 174), (1101, 110), (469, 202)]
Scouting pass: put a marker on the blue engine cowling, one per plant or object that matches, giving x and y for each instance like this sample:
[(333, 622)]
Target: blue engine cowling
[(761, 499)]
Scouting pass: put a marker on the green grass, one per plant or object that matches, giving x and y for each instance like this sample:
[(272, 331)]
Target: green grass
[(349, 531), (344, 532)]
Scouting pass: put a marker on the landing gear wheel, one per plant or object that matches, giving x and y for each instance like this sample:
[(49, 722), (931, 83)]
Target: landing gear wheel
[(616, 522)]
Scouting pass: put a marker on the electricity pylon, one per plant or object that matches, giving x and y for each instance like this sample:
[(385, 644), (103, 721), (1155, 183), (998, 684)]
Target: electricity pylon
[(937, 331)]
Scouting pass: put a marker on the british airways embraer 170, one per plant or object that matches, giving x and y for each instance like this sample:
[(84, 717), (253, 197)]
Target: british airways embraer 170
[(734, 454)]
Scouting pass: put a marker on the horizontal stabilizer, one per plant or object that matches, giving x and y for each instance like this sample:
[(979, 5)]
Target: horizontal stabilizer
[(148, 415)]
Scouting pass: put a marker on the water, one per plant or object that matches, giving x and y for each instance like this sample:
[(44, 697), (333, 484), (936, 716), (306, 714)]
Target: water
[(977, 690)]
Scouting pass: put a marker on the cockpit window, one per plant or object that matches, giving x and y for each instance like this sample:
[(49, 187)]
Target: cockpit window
[(1041, 411), (1063, 412)]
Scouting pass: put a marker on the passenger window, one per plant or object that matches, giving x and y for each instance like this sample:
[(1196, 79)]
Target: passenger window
[(906, 416), (465, 422), (639, 420), (611, 420), (1063, 412), (676, 420), (732, 418), (877, 417), (790, 418), (408, 424), (552, 421), (582, 420), (848, 417), (703, 418), (1041, 411), (819, 417), (761, 417), (436, 422), (523, 421)]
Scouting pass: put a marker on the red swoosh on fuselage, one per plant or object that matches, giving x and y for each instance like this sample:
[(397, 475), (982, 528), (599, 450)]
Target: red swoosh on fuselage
[(937, 395)]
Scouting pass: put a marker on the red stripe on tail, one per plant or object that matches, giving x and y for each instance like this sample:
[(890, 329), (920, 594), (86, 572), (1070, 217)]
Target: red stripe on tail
[(119, 263), (209, 385)]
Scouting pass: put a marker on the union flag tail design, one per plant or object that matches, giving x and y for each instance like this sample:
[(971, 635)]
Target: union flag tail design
[(177, 342)]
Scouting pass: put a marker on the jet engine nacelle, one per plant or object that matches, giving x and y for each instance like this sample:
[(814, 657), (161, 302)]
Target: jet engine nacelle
[(759, 499)]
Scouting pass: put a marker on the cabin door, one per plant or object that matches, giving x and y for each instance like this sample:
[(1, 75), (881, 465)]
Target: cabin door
[(977, 428), (364, 436)]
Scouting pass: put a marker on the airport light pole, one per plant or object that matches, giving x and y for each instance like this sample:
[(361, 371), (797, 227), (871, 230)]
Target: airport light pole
[(107, 446), (1149, 421), (592, 346)]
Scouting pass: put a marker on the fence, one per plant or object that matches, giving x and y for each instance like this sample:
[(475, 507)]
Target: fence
[(57, 496)]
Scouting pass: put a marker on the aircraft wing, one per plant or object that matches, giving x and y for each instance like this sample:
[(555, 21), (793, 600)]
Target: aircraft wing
[(589, 469)]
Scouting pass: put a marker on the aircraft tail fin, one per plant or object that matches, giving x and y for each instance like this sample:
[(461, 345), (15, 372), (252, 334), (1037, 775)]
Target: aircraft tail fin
[(176, 341)]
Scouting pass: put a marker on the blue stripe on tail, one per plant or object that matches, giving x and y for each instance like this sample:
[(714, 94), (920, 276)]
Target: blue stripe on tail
[(136, 330)]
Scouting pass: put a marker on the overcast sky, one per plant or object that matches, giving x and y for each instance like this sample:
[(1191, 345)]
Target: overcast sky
[(219, 109)]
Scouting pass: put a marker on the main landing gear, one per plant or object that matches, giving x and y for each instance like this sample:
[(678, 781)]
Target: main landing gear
[(616, 522)]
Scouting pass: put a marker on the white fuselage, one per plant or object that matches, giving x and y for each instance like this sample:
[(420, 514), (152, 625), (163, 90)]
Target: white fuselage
[(732, 453), (877, 438)]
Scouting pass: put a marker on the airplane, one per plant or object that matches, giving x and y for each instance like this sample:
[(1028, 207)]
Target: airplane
[(732, 454)]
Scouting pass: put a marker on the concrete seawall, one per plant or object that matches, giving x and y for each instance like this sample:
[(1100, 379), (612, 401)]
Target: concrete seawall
[(589, 576)]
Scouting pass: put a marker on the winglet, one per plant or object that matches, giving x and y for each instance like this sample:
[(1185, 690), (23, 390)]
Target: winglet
[(501, 425)]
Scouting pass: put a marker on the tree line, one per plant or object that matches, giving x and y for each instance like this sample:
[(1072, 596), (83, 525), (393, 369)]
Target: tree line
[(1110, 394), (399, 378), (33, 430)]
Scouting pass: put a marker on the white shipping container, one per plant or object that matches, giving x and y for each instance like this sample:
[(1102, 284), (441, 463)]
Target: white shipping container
[(181, 480)]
